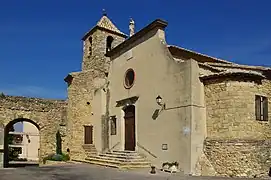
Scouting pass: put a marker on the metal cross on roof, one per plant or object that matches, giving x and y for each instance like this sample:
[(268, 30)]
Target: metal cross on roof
[(104, 12)]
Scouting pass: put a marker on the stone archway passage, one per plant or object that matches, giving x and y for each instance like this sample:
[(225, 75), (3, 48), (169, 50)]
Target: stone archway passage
[(129, 128), (24, 144), (49, 115)]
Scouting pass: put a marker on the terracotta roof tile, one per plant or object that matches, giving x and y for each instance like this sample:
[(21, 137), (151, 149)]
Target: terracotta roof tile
[(238, 66), (106, 23), (198, 54), (231, 72)]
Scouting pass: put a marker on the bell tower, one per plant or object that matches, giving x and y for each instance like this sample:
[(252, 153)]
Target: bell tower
[(97, 42)]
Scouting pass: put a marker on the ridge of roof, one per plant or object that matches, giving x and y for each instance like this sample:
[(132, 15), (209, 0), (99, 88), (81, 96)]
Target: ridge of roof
[(209, 67), (32, 99), (106, 24), (156, 23), (229, 73), (199, 54), (240, 66)]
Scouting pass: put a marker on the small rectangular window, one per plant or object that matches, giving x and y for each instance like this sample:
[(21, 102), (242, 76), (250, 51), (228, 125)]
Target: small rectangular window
[(261, 108), (88, 135), (113, 125)]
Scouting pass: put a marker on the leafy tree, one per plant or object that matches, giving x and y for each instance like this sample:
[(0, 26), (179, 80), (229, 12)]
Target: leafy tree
[(13, 153), (2, 94)]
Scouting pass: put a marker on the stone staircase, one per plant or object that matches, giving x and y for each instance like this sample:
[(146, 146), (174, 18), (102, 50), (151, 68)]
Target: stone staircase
[(119, 159)]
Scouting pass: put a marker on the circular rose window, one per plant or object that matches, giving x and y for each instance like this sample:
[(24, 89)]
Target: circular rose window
[(129, 78)]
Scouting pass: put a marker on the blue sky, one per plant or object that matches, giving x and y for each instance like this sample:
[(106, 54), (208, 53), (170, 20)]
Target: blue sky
[(40, 41)]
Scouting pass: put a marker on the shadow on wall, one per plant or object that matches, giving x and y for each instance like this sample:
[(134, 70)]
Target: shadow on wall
[(155, 114), (58, 143), (9, 152)]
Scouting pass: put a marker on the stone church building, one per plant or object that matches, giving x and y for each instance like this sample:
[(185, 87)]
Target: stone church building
[(139, 101), (140, 96)]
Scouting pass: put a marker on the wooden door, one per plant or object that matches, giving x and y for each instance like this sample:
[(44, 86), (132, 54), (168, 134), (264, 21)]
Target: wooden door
[(130, 128)]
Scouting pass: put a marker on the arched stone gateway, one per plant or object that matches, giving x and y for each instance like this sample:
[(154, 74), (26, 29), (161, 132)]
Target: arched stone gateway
[(49, 117), (7, 131)]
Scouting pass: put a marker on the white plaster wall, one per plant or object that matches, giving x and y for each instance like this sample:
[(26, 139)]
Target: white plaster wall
[(99, 109), (31, 149), (156, 74)]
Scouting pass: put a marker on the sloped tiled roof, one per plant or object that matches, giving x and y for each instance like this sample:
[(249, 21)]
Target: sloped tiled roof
[(209, 67), (158, 23), (232, 73), (219, 67), (105, 23), (176, 51), (238, 66), (234, 70)]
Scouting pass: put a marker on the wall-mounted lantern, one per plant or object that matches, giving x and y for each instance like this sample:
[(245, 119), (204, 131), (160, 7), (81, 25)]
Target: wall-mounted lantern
[(128, 103), (159, 101)]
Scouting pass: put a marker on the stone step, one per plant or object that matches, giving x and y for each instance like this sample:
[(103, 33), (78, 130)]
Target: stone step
[(125, 151), (115, 164), (91, 152), (122, 153), (119, 159), (116, 161), (120, 156), (140, 159), (107, 161)]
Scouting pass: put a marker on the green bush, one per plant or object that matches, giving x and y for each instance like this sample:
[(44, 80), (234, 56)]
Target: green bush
[(65, 157), (2, 95), (57, 157)]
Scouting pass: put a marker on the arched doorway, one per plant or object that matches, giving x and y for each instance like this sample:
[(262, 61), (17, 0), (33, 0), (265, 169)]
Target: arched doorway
[(109, 41), (21, 146), (129, 117)]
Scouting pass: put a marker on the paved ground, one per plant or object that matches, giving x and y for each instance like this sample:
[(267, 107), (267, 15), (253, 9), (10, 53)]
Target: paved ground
[(86, 172)]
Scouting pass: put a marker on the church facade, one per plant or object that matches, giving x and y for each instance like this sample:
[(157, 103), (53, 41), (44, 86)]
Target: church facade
[(169, 104)]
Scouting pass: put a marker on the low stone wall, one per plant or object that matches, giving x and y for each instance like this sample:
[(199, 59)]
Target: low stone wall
[(239, 157)]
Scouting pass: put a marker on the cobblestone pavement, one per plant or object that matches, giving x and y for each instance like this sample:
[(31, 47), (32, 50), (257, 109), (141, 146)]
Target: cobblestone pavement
[(87, 172)]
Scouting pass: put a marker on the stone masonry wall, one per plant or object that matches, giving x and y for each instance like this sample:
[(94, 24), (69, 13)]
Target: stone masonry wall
[(80, 93), (237, 144), (82, 88), (239, 157), (97, 60), (230, 107), (49, 115)]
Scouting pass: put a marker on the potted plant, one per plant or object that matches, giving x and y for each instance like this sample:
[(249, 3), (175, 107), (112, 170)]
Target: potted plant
[(165, 166), (153, 170), (174, 167)]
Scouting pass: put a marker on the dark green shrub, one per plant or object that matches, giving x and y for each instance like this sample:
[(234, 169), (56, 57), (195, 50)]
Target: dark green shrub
[(57, 157), (2, 95), (65, 157)]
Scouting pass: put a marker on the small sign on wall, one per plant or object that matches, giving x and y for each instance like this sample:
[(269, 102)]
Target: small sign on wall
[(164, 147), (129, 55)]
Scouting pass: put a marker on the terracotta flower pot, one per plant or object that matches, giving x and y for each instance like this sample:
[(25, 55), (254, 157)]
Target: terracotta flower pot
[(153, 170)]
